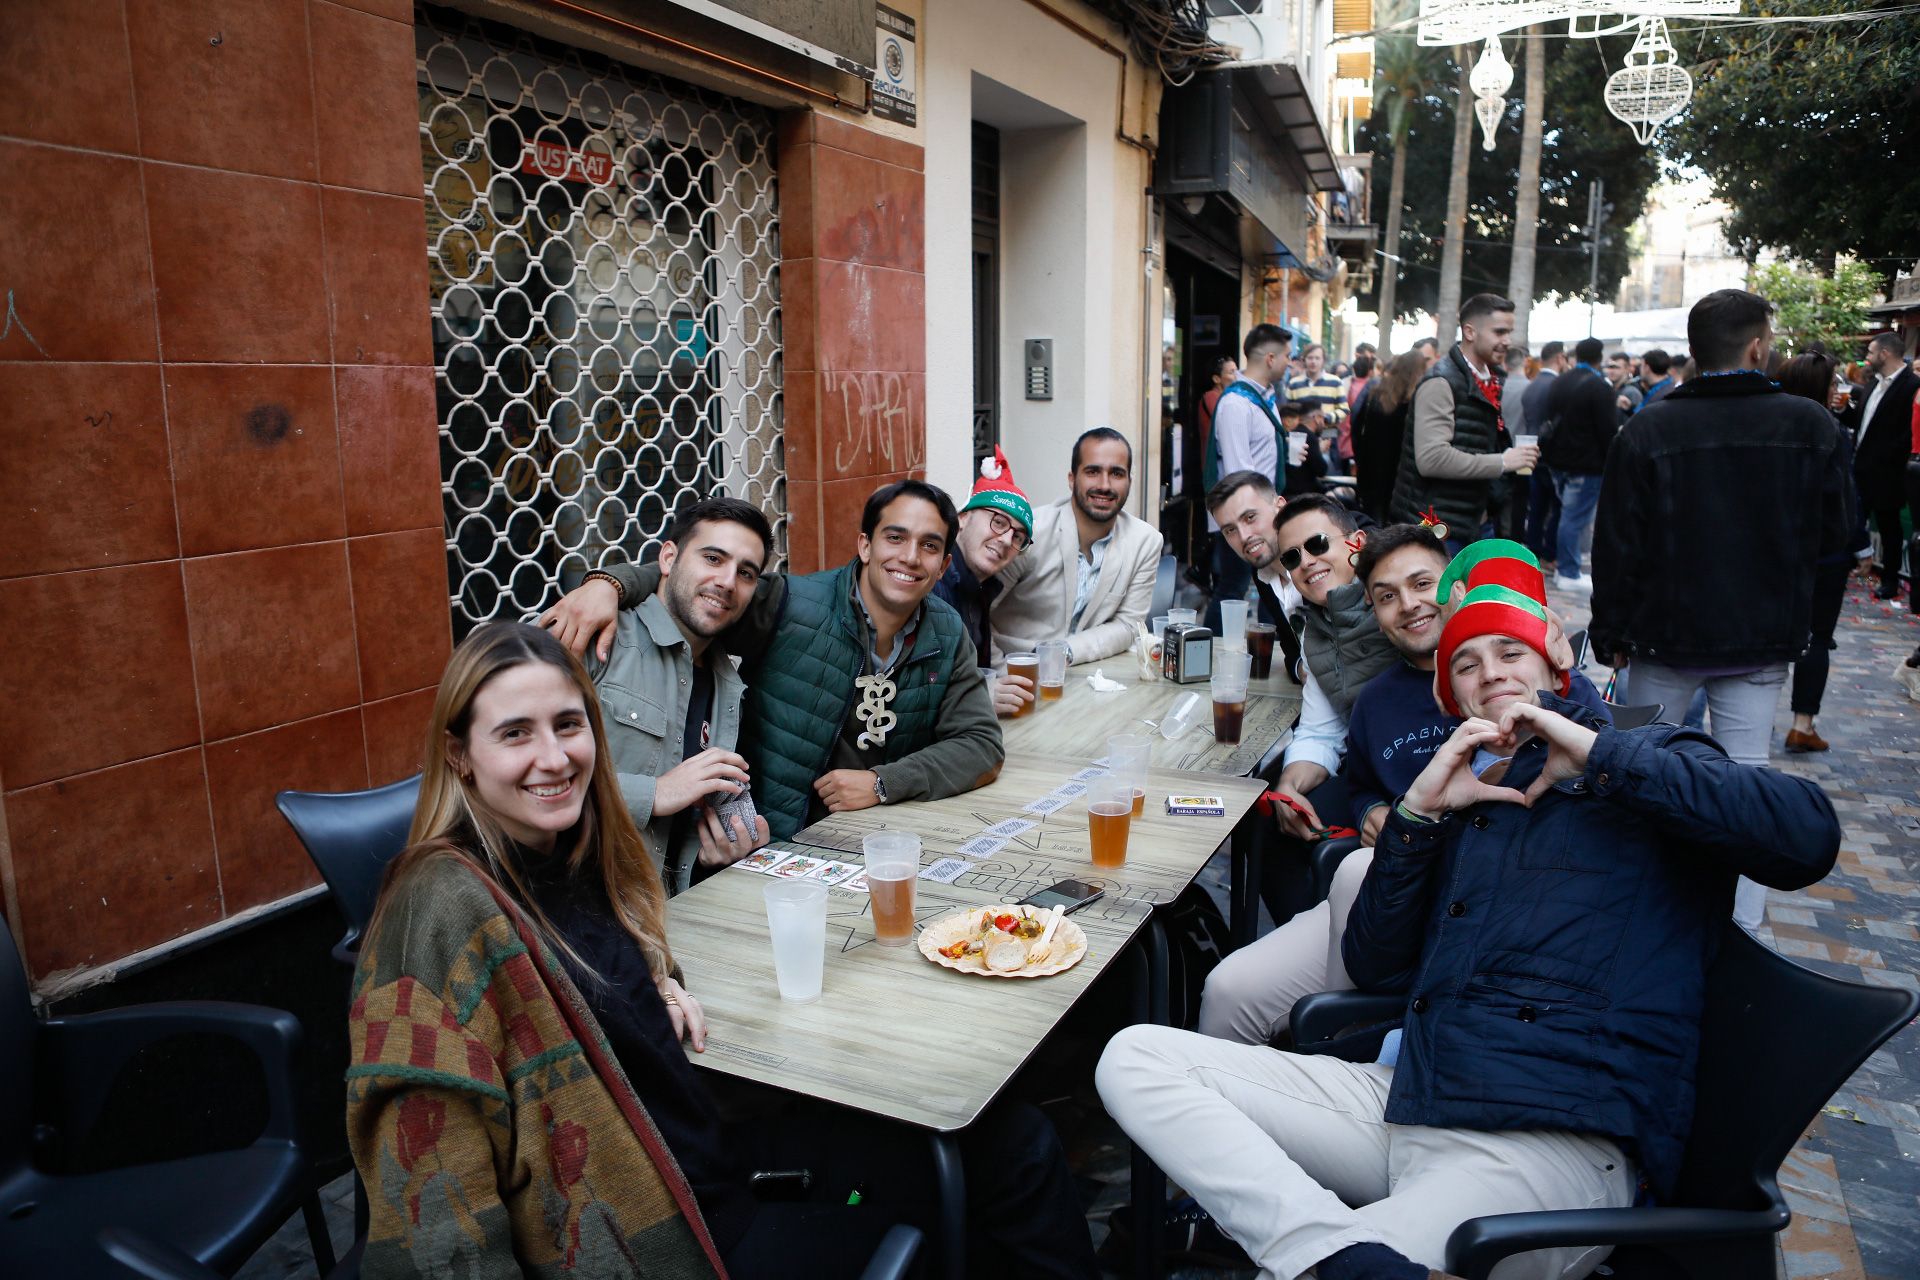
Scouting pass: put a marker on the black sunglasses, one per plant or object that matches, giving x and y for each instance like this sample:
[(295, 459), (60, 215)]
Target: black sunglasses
[(1315, 544)]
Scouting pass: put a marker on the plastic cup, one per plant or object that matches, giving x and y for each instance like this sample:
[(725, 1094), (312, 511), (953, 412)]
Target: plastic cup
[(1053, 670), (1189, 616), (1229, 687), (1182, 716), (1109, 819), (893, 861), (1160, 627), (1233, 624), (1260, 637), (797, 922), (1296, 448), (1028, 665), (1128, 757), (1524, 442)]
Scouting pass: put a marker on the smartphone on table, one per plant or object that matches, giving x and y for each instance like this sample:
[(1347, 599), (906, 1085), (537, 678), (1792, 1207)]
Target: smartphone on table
[(1071, 894)]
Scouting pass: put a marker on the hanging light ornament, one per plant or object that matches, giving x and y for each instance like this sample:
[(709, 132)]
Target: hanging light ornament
[(1490, 79), (1653, 87)]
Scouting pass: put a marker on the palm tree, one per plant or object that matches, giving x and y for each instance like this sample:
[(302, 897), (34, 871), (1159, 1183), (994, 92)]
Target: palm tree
[(1453, 250), (1526, 204), (1407, 73)]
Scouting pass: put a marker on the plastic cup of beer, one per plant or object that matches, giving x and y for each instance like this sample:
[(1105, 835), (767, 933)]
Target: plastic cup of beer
[(1109, 818), (1028, 665), (797, 921), (1128, 756), (1260, 649), (1230, 696), (1233, 624), (1526, 442), (1188, 616), (1053, 669), (893, 861)]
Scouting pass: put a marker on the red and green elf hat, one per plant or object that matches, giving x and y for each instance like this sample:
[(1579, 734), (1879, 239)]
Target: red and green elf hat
[(1492, 562), (1494, 610), (996, 491)]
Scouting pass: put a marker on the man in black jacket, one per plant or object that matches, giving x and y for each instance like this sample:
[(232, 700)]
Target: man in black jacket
[(1581, 409), (1880, 418), (1717, 501)]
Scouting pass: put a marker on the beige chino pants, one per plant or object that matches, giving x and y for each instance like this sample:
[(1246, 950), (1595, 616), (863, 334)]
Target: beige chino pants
[(1291, 1155)]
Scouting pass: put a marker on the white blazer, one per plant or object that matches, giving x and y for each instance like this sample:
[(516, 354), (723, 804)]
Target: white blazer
[(1036, 603)]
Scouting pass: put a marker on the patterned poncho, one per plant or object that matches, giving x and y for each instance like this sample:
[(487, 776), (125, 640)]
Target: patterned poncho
[(495, 1131)]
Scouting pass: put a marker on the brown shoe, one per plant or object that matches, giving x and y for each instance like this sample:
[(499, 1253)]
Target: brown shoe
[(1808, 741)]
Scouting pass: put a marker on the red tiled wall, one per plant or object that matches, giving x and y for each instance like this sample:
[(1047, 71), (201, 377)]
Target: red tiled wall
[(221, 563), (853, 300)]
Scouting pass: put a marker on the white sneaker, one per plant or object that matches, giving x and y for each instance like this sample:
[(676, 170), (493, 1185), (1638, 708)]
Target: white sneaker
[(1580, 586)]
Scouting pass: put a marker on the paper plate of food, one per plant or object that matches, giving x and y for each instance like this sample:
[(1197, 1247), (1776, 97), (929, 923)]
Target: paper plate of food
[(1007, 941)]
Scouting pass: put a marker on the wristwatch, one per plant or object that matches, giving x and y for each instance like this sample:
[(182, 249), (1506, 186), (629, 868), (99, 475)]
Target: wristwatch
[(879, 789)]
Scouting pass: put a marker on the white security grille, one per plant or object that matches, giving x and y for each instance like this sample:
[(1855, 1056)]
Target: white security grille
[(604, 253)]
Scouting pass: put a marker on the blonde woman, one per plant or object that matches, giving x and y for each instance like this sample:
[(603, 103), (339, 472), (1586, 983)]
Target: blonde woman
[(519, 1101)]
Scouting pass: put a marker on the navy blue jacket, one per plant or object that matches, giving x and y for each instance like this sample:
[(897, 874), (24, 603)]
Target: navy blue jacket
[(973, 600), (1396, 726), (1556, 956)]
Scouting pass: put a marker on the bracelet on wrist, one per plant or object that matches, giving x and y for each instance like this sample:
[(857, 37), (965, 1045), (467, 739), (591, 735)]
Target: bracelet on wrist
[(1400, 807), (601, 575)]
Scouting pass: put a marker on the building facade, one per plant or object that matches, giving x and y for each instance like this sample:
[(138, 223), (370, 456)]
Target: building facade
[(337, 327)]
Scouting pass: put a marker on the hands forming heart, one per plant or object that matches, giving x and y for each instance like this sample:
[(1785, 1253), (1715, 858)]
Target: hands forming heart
[(1448, 781)]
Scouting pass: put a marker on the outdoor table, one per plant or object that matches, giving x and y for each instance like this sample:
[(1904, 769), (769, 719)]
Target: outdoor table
[(1077, 725), (886, 1034)]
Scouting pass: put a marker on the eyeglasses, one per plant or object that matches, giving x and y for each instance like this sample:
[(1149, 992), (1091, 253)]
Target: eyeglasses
[(1003, 526), (1315, 544)]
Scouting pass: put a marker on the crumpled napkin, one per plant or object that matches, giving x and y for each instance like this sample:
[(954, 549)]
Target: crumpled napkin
[(1101, 684)]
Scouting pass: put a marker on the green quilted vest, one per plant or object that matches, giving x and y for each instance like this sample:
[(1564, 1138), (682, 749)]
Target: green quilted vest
[(1460, 504), (801, 691), (1344, 645)]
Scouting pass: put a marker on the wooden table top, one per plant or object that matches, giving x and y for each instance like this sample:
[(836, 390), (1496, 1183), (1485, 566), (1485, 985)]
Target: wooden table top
[(1077, 726), (893, 1033)]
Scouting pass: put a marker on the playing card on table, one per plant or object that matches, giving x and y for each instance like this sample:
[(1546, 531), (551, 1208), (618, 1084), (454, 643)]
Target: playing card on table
[(834, 872), (1047, 804), (858, 884), (763, 859), (796, 866), (945, 871), (1008, 829), (1068, 790), (982, 846), (1090, 772)]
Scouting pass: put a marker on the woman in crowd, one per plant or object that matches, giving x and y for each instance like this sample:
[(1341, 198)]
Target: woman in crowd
[(519, 1100), (1812, 375), (1378, 436)]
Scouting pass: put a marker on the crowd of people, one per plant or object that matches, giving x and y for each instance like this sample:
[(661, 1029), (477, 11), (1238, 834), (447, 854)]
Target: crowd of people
[(1543, 888)]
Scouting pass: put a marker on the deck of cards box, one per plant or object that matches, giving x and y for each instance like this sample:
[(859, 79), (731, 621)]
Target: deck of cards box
[(1197, 806)]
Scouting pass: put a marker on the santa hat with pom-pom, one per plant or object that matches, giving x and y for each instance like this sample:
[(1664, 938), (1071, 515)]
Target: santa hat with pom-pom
[(996, 491)]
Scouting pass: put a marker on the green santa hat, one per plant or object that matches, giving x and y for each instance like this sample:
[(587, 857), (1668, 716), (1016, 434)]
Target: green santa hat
[(996, 491)]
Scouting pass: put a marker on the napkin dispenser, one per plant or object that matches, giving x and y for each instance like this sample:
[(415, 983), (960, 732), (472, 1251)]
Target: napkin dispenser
[(1186, 653)]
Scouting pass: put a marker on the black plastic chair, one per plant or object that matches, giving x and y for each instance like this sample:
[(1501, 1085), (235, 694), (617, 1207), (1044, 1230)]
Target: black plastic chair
[(1776, 1041), (1165, 580), (141, 1256), (351, 837), (1578, 642), (1326, 859), (215, 1208), (1636, 717)]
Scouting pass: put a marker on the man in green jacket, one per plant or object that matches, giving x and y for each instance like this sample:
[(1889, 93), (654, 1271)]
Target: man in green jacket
[(861, 690), (672, 701)]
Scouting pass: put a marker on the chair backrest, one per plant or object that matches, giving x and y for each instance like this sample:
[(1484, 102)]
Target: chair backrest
[(1578, 643), (1163, 584), (1635, 717), (18, 1032), (1776, 1041), (352, 836)]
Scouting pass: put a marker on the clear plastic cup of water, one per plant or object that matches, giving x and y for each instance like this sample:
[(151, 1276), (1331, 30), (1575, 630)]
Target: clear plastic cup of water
[(797, 921), (1233, 624)]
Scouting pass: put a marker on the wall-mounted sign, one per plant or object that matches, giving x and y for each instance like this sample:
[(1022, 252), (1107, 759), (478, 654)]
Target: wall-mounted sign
[(895, 96), (557, 160)]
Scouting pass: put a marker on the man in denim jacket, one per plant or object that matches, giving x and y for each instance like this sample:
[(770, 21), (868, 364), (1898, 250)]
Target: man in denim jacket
[(672, 702), (1548, 894)]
